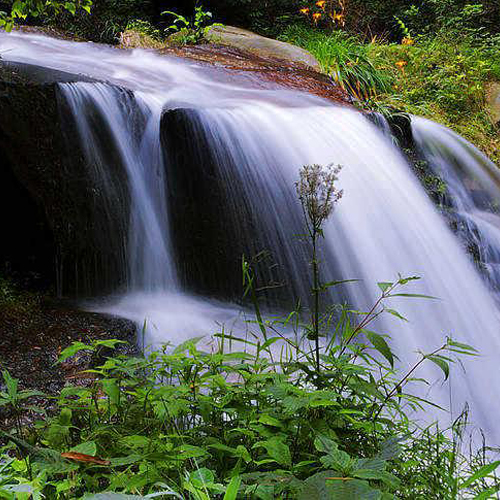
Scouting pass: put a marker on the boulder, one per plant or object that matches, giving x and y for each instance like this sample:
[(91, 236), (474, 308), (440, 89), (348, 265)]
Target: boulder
[(47, 186), (265, 48), (493, 102)]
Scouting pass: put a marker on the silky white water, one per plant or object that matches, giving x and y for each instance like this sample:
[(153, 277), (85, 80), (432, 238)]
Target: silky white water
[(473, 184), (260, 136)]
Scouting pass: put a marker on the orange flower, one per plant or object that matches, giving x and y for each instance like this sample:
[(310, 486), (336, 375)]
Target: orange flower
[(316, 16), (337, 17), (407, 41), (321, 4), (304, 11), (401, 65)]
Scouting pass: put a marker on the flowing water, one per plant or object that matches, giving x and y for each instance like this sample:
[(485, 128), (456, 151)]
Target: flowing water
[(248, 140)]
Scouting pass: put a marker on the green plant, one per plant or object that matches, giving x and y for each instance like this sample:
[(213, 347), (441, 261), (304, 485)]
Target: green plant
[(190, 31), (344, 58), (21, 9), (144, 28), (268, 412)]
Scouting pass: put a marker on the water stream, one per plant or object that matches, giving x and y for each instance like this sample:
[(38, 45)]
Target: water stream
[(249, 139)]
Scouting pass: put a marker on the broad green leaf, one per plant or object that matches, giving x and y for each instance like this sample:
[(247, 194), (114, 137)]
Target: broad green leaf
[(384, 285), (108, 343), (111, 389), (186, 451), (390, 449), (130, 459), (233, 488), (268, 420), (276, 449), (441, 363), (201, 477), (11, 384), (74, 348), (88, 448), (379, 343), (377, 475)]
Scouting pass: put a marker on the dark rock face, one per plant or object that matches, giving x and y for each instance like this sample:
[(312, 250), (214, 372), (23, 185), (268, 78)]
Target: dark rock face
[(203, 233), (79, 252), (215, 222)]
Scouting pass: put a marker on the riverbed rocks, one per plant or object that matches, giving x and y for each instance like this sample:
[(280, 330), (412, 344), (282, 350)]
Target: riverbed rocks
[(33, 332)]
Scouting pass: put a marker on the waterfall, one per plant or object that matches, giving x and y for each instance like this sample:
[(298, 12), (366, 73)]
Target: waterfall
[(133, 126), (473, 191), (209, 161)]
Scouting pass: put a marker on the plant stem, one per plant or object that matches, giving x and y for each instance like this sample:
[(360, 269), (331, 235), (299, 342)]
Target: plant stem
[(316, 290)]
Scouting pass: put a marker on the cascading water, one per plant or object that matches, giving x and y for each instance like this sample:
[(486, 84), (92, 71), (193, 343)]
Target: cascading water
[(254, 139), (473, 191), (149, 261)]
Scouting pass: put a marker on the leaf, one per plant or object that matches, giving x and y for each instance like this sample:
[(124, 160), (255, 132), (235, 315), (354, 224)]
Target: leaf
[(268, 420), (384, 285), (481, 473), (277, 450), (378, 475), (487, 494), (72, 350), (395, 313), (82, 457), (442, 364), (186, 451), (232, 488), (88, 448), (121, 496), (71, 7), (329, 284), (390, 449), (379, 343), (108, 343), (11, 384), (354, 489), (130, 459), (110, 387), (201, 477), (414, 295)]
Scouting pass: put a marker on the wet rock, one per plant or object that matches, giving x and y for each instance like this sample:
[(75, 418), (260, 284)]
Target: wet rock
[(261, 46), (493, 102), (34, 149)]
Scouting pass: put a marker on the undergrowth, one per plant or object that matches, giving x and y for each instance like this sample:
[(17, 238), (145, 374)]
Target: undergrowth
[(310, 406)]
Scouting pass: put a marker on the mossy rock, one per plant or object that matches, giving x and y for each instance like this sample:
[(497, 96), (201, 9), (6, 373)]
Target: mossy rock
[(260, 46), (493, 102)]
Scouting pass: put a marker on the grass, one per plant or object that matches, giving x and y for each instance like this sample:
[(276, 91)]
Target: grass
[(344, 58)]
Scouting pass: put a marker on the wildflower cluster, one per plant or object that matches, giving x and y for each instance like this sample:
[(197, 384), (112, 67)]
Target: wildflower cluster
[(330, 12), (317, 192)]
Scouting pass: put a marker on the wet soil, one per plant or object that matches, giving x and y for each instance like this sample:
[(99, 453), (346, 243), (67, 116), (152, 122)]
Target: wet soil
[(33, 332)]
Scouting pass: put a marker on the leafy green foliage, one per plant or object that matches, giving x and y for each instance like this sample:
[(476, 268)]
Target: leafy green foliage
[(344, 58), (253, 417), (21, 9), (189, 31)]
